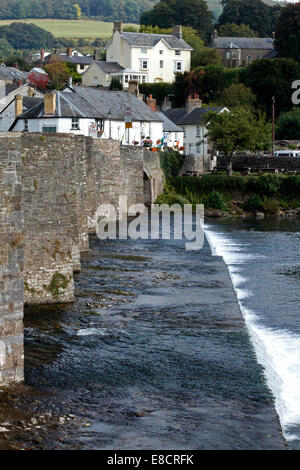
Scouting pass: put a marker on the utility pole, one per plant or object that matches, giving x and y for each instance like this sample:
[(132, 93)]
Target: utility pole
[(273, 126)]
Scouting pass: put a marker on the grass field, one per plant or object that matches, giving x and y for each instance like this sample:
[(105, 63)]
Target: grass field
[(72, 28)]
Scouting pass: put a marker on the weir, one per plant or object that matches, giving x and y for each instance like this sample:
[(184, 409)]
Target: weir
[(50, 188)]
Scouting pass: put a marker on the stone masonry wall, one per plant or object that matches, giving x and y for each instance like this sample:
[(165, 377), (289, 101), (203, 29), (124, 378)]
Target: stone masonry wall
[(11, 262), (50, 188), (258, 162)]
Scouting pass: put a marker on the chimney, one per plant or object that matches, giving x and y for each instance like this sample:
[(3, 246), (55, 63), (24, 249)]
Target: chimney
[(273, 36), (31, 92), (118, 26), (193, 102), (166, 104), (18, 105), (50, 103), (96, 55), (177, 31), (42, 53), (69, 51), (151, 102), (133, 87), (70, 81), (215, 35)]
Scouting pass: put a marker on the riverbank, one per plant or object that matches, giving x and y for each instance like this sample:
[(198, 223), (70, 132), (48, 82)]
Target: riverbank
[(236, 195), (153, 354)]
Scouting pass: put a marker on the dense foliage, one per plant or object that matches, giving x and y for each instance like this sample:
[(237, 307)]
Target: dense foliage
[(288, 125), (25, 36), (288, 31), (110, 10), (259, 16), (193, 13)]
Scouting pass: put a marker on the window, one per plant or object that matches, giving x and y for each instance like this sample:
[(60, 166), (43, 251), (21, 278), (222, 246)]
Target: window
[(249, 58), (126, 78), (81, 66), (26, 125), (144, 78), (198, 148), (184, 133), (161, 51), (49, 129), (198, 132), (75, 123), (178, 52), (234, 55), (144, 64), (178, 66), (96, 80), (227, 55), (161, 64), (143, 50)]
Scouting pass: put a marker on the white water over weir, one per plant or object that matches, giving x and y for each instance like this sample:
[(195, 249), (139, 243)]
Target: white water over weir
[(278, 351)]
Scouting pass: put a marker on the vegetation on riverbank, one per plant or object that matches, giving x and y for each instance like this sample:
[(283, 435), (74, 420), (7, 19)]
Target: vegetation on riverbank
[(236, 195)]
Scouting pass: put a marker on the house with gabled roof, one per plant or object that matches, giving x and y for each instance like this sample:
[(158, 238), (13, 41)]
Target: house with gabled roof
[(94, 112), (191, 119), (157, 57), (237, 52)]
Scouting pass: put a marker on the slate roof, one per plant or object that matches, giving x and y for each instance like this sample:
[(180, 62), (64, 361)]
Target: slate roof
[(272, 54), (150, 40), (243, 43), (197, 116), (112, 103), (95, 103), (175, 114), (11, 73), (108, 67), (168, 125), (29, 102)]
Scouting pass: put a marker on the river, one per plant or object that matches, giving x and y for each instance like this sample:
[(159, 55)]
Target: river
[(156, 354)]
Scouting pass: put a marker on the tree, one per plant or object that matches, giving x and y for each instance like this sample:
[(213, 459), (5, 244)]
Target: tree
[(27, 36), (193, 13), (6, 48), (237, 131), (288, 125), (78, 11), (268, 78), (237, 95), (288, 31), (233, 30), (259, 16), (206, 56), (115, 84), (39, 80), (58, 73)]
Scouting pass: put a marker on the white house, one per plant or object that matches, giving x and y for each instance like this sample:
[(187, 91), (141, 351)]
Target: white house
[(94, 112), (155, 57), (100, 73), (191, 120), (173, 135)]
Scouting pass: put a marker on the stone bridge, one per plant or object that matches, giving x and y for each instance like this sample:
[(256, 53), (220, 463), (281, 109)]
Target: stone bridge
[(50, 188)]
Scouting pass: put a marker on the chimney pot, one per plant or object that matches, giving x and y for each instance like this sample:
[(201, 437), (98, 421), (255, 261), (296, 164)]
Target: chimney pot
[(42, 54), (69, 51), (193, 103), (151, 102)]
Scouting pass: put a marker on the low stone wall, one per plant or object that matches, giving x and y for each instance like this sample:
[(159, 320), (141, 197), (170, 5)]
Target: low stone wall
[(11, 263), (196, 164), (258, 162)]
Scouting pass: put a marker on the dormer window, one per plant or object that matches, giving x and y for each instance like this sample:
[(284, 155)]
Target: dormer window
[(178, 52), (143, 50)]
